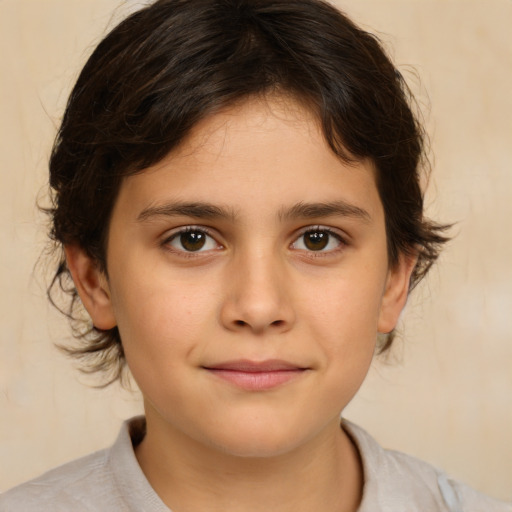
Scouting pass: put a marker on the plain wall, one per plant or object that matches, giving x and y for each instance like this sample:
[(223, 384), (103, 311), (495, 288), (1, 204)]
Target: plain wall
[(445, 395)]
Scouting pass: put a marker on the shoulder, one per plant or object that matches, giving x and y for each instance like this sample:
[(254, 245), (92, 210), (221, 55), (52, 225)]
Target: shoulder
[(62, 488), (109, 480), (396, 482)]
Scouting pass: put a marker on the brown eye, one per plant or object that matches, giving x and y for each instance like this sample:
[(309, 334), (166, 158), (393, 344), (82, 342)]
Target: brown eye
[(192, 240), (316, 240)]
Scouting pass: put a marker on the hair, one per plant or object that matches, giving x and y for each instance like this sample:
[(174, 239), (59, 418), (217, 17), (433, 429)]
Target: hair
[(175, 62)]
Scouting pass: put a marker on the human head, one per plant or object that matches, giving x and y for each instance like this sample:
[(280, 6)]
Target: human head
[(175, 62)]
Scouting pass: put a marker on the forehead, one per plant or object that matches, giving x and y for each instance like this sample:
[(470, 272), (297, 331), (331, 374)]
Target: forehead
[(249, 120), (262, 153)]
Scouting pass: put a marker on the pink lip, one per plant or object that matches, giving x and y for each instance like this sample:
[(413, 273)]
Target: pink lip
[(256, 375)]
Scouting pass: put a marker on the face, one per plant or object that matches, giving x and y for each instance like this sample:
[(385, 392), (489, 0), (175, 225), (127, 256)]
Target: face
[(248, 276)]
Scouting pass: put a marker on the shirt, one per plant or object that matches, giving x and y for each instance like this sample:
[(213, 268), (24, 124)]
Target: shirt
[(111, 480)]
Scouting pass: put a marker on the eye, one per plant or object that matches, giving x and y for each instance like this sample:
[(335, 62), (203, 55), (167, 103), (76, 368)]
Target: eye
[(318, 240), (192, 240)]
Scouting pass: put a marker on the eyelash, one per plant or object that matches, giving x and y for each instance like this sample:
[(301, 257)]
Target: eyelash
[(166, 243), (324, 230)]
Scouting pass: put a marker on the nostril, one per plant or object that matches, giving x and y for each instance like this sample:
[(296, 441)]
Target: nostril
[(275, 323)]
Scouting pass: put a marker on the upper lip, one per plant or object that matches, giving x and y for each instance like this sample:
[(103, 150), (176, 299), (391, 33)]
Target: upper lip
[(248, 366)]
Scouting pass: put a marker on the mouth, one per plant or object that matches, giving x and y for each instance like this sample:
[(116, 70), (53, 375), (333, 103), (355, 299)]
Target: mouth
[(256, 375)]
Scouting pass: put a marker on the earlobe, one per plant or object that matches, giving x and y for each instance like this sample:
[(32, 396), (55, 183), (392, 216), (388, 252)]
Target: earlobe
[(395, 293), (92, 286)]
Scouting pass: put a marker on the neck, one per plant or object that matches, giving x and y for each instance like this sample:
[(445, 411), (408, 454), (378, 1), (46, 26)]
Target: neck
[(324, 474)]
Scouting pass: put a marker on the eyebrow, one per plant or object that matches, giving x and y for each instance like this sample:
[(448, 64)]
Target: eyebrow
[(301, 210), (330, 209), (185, 209)]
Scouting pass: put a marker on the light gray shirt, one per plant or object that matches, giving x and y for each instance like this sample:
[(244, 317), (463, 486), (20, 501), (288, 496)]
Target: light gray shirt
[(111, 480)]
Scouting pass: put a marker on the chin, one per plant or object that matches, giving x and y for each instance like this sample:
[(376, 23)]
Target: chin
[(265, 442), (256, 448)]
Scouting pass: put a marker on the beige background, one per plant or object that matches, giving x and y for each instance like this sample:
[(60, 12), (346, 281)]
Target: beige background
[(447, 394)]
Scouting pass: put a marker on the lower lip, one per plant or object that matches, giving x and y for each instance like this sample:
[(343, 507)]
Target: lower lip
[(257, 381)]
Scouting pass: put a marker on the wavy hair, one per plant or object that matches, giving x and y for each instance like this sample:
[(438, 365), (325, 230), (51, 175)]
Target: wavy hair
[(171, 64)]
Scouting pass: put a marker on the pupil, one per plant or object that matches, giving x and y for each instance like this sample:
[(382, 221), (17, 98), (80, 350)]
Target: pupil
[(193, 240), (316, 240)]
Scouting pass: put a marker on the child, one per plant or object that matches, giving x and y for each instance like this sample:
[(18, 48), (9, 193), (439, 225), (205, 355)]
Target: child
[(237, 197)]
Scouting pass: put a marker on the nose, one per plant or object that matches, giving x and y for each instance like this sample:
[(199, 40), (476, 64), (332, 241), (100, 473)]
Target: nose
[(257, 296)]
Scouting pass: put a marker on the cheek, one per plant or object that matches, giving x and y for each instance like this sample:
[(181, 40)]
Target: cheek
[(160, 333), (161, 317), (348, 328), (343, 318), (348, 305)]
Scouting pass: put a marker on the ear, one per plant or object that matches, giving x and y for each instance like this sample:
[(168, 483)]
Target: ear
[(396, 292), (92, 286)]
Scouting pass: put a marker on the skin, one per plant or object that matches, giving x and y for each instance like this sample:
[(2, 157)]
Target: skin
[(255, 291)]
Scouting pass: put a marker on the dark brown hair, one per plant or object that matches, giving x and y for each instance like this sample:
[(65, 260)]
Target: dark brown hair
[(173, 63)]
